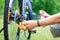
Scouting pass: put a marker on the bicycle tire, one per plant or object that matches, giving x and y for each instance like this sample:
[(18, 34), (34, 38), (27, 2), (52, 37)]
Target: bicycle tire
[(6, 32), (6, 20), (21, 13), (5, 26)]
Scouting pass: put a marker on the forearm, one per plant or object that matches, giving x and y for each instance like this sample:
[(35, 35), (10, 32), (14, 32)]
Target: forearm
[(47, 21), (50, 20)]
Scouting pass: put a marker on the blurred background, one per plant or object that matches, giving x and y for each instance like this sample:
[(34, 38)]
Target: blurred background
[(50, 6)]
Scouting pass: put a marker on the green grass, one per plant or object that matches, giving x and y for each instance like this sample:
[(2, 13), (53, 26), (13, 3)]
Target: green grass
[(42, 33)]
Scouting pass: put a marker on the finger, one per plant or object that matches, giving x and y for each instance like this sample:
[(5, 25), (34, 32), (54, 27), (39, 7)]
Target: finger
[(24, 23), (24, 28)]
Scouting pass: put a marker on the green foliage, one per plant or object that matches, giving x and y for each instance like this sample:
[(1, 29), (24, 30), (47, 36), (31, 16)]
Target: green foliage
[(15, 5), (50, 6), (1, 7)]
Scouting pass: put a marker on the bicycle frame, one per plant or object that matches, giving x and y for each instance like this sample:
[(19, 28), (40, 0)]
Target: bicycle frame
[(7, 10)]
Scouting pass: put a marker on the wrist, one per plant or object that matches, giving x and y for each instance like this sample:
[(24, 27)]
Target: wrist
[(35, 23), (38, 23)]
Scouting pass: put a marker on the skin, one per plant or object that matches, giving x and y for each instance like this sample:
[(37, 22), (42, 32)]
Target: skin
[(54, 19)]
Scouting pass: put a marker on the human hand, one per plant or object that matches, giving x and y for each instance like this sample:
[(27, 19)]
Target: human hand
[(21, 26), (45, 14), (30, 24)]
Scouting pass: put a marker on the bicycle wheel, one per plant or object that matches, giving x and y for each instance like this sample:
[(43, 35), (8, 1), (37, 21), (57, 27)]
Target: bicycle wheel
[(6, 20), (9, 30), (25, 17), (11, 15)]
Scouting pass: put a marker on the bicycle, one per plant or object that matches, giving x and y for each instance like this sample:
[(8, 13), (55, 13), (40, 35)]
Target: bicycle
[(14, 15)]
